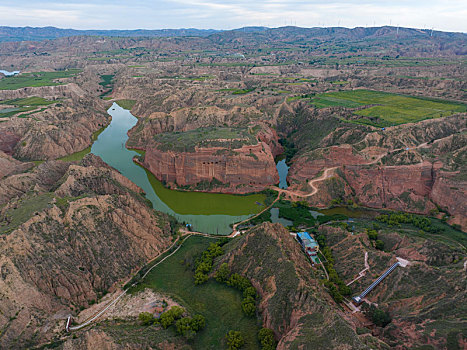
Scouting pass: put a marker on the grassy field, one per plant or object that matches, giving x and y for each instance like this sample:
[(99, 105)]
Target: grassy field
[(388, 109), (204, 137), (218, 303), (126, 104), (23, 105), (35, 79), (24, 211)]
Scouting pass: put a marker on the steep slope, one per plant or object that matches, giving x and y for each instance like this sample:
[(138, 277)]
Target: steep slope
[(425, 299), (65, 247), (293, 303)]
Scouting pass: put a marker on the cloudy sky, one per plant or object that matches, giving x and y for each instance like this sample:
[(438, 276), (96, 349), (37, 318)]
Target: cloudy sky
[(447, 15)]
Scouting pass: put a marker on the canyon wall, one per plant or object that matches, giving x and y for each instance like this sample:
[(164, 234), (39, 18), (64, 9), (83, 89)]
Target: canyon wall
[(90, 233), (247, 169)]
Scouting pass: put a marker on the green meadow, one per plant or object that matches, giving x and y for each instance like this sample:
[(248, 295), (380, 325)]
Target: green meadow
[(218, 303), (35, 79), (385, 109), (125, 104), (23, 105)]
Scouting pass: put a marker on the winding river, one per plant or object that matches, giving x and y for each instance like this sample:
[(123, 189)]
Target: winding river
[(206, 212)]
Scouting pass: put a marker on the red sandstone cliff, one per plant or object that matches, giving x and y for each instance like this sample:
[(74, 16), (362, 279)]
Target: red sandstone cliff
[(246, 169)]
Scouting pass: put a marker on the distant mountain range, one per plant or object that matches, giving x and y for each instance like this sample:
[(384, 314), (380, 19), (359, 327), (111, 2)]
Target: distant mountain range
[(47, 33)]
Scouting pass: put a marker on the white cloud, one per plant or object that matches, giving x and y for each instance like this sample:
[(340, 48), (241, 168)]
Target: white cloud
[(226, 14)]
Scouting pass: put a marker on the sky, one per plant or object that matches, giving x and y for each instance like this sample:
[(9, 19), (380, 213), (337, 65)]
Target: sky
[(446, 15)]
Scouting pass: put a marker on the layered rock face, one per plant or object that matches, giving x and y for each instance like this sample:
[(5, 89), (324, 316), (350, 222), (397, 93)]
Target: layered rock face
[(241, 170), (309, 165), (91, 231), (396, 187)]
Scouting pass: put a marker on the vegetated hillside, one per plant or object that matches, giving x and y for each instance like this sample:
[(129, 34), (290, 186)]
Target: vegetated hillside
[(415, 167), (69, 233), (48, 33), (426, 299), (292, 301)]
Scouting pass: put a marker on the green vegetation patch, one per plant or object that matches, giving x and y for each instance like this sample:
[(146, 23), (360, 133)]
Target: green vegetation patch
[(388, 109), (23, 105), (218, 303), (36, 79), (23, 211), (126, 104), (231, 138), (28, 102)]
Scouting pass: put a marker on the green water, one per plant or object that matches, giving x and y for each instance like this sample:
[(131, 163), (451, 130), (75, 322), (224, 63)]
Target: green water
[(206, 212)]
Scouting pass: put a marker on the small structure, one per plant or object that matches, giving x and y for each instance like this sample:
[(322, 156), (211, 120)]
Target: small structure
[(359, 299), (309, 245)]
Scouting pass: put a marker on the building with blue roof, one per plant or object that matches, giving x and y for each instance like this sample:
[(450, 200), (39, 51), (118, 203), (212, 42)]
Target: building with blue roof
[(309, 245)]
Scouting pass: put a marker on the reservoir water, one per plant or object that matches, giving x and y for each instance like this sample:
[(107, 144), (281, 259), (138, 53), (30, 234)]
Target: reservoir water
[(206, 212), (8, 74), (283, 170)]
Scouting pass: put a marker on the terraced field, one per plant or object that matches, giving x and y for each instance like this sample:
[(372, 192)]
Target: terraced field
[(385, 109), (36, 79), (23, 105)]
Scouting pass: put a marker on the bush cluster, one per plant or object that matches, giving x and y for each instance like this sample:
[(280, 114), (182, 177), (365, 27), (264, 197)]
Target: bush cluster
[(378, 316), (188, 327), (336, 286), (420, 222), (373, 236), (203, 265), (266, 339), (170, 316)]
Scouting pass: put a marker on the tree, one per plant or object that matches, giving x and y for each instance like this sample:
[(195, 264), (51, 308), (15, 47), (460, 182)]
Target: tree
[(166, 319), (266, 338), (185, 327), (234, 340), (249, 306), (223, 273), (200, 278), (199, 322), (379, 244), (146, 318)]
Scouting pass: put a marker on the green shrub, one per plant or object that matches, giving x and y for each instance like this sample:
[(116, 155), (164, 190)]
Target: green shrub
[(146, 318), (222, 274), (234, 340), (379, 244), (266, 338), (188, 327), (249, 306)]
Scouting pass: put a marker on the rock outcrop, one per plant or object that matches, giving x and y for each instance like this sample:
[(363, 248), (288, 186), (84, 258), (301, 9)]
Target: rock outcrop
[(246, 169), (91, 231)]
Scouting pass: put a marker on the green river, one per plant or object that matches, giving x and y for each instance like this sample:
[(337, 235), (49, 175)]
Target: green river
[(206, 212)]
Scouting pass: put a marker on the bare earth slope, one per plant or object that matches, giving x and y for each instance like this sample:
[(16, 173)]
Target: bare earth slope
[(92, 230)]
